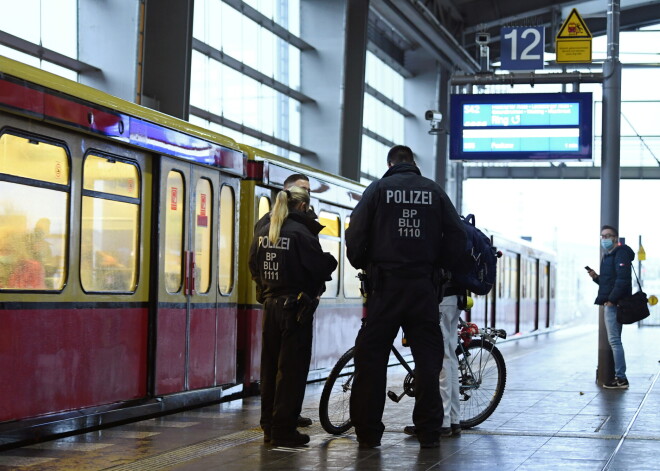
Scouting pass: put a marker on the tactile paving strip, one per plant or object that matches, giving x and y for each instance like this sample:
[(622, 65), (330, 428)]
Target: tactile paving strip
[(192, 452)]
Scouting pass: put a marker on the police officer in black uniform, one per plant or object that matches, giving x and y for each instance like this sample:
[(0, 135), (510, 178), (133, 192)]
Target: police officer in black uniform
[(401, 232), (290, 269), (302, 181)]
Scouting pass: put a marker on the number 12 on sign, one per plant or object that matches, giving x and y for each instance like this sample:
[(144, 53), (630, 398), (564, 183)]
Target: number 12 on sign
[(522, 47)]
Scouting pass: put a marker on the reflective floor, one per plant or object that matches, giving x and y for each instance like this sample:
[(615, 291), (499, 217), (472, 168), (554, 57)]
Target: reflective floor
[(552, 416)]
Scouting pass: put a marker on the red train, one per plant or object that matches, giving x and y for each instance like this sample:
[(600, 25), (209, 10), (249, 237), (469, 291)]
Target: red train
[(124, 289)]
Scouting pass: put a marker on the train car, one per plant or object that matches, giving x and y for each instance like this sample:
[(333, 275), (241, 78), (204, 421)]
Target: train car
[(119, 237), (337, 318), (523, 298), (124, 288)]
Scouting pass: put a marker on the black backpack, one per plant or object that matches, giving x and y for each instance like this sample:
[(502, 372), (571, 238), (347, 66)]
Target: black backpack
[(478, 264)]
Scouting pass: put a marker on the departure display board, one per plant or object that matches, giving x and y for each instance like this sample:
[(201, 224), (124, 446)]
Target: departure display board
[(547, 126)]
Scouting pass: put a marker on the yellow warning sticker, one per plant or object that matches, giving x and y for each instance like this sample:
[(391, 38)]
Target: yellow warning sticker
[(574, 27)]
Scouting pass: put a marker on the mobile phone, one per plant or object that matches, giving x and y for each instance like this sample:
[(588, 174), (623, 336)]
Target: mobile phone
[(587, 268)]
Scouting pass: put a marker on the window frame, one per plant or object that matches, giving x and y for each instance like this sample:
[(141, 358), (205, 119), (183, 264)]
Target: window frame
[(118, 198), (49, 186)]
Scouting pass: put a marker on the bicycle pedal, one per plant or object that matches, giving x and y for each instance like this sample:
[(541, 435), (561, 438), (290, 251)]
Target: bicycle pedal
[(392, 395)]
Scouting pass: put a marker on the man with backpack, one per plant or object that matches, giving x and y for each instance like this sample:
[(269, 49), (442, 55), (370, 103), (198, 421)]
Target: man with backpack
[(475, 272)]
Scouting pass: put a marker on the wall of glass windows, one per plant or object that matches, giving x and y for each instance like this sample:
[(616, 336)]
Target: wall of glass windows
[(232, 78), (53, 24), (383, 124)]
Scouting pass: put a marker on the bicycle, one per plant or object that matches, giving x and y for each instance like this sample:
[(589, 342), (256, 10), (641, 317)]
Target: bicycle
[(482, 378)]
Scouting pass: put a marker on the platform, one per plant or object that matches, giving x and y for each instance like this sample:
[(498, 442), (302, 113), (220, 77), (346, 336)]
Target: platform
[(552, 416)]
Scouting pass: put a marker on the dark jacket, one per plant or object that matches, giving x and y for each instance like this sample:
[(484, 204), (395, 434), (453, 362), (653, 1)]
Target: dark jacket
[(614, 280), (296, 263), (406, 223)]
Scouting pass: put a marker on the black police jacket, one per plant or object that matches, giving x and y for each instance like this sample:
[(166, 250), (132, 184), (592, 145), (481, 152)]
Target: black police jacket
[(614, 280), (406, 222), (295, 263)]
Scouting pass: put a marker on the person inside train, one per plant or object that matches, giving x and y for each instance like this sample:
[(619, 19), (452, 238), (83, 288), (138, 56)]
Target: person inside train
[(302, 181), (23, 271), (614, 283), (401, 232), (290, 269)]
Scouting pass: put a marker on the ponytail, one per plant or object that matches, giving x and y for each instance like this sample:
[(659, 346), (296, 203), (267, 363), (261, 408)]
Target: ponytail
[(278, 214), (284, 201)]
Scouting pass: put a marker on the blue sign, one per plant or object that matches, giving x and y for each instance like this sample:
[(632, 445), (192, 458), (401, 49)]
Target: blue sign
[(521, 126), (522, 47)]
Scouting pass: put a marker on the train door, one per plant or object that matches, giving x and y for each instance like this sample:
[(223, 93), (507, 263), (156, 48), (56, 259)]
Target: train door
[(186, 314), (250, 319)]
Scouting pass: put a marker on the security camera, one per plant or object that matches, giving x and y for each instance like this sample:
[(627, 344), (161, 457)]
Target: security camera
[(432, 115), (482, 39)]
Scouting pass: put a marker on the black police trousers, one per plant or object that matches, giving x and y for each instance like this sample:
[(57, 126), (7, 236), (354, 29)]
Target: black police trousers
[(411, 304), (285, 355)]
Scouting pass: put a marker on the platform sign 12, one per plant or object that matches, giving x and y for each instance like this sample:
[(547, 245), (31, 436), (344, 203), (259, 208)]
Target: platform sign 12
[(522, 47)]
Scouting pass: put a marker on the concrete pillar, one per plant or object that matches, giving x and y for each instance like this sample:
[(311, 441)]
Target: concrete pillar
[(421, 93), (108, 38), (355, 56), (333, 74), (167, 56)]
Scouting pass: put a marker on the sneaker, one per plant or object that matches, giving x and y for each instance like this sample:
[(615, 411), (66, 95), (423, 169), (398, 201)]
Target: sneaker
[(456, 429), (297, 439), (617, 383), (445, 432), (409, 430), (304, 421)]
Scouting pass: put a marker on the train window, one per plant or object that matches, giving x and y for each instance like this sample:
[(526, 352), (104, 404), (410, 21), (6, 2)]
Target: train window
[(532, 277), (351, 282), (264, 207), (329, 238), (226, 240), (524, 270), (110, 225), (513, 277), (174, 214), (543, 280), (203, 210), (500, 277), (34, 200)]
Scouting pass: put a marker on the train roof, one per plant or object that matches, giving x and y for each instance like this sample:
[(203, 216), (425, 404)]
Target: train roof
[(48, 97), (272, 170), (521, 246)]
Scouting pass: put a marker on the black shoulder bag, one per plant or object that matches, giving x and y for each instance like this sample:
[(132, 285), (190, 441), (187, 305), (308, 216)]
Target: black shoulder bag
[(633, 308)]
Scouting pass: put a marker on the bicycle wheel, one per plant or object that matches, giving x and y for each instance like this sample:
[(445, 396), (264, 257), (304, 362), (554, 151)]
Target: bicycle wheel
[(482, 378), (334, 408)]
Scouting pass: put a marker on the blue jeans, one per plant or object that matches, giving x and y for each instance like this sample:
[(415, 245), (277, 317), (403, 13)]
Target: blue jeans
[(614, 337)]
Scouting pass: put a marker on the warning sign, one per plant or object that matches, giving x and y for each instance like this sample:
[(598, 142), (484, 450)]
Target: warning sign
[(573, 50), (573, 41), (574, 27)]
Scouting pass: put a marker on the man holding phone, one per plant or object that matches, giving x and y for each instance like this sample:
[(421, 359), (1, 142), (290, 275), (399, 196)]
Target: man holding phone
[(614, 283)]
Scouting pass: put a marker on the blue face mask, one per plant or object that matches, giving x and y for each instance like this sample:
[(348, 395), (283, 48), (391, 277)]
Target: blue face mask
[(607, 243)]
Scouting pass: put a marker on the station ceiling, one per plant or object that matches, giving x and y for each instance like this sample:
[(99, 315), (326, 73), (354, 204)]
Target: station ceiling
[(425, 22)]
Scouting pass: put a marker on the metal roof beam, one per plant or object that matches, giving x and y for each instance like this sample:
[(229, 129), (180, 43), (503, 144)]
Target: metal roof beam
[(415, 21), (558, 172)]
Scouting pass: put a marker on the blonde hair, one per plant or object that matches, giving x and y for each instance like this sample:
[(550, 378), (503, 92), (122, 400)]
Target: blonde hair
[(285, 200)]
